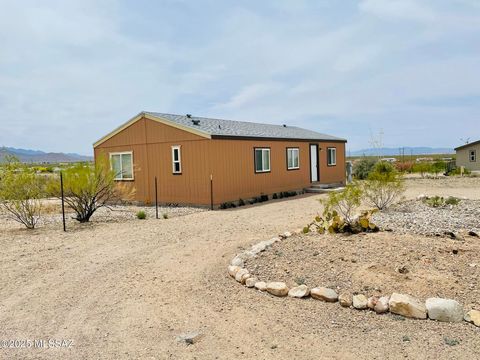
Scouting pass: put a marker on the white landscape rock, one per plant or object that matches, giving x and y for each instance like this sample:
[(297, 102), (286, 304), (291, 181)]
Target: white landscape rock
[(287, 234), (233, 269), (446, 310), (360, 302), (407, 306), (261, 285), (250, 282), (473, 316), (277, 288), (345, 299), (237, 261), (324, 294), (382, 305), (242, 275), (372, 301), (299, 291)]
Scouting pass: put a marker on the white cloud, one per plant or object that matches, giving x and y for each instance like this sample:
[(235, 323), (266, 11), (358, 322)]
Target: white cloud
[(398, 9)]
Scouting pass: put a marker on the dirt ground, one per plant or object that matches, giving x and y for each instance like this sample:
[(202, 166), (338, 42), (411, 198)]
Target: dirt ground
[(127, 290)]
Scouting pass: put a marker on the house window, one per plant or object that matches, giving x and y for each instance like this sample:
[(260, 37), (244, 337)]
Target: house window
[(293, 158), (473, 155), (331, 156), (176, 160), (262, 160), (122, 165)]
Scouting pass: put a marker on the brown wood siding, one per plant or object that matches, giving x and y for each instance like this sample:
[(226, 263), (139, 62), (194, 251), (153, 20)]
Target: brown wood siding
[(231, 162)]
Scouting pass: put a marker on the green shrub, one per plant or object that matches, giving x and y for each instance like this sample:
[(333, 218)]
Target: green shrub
[(227, 205), (451, 200), (384, 186), (275, 196), (165, 215), (241, 202), (457, 171), (438, 167), (141, 215), (20, 192), (88, 188), (438, 201), (363, 167), (333, 223), (422, 168), (345, 202)]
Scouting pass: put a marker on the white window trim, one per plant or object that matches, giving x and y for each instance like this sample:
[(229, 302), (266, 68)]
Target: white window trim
[(269, 160), (334, 158), (474, 157), (179, 161), (121, 165), (297, 150)]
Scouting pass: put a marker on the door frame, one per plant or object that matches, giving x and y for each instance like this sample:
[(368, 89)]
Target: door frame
[(318, 161)]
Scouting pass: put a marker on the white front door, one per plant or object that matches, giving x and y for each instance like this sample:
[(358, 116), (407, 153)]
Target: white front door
[(314, 163)]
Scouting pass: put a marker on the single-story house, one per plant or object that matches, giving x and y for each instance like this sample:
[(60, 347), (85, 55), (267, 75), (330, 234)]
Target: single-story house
[(467, 156), (200, 161)]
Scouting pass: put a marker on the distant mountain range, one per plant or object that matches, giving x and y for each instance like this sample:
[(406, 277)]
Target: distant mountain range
[(401, 151), (41, 157)]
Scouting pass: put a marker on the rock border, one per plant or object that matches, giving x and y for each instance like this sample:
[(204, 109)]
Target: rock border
[(438, 309)]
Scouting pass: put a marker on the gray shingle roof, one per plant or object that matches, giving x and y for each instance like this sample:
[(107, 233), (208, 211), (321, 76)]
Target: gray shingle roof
[(243, 129)]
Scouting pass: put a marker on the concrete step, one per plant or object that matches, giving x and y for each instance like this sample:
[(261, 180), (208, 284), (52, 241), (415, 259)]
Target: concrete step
[(320, 190)]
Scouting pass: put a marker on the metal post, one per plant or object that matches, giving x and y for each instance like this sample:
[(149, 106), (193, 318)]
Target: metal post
[(156, 199), (211, 191), (63, 201)]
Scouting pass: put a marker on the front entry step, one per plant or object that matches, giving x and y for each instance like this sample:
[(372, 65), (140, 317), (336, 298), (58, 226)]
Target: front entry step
[(324, 188)]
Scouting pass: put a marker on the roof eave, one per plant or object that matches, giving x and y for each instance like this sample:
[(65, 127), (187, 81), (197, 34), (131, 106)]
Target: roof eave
[(243, 137)]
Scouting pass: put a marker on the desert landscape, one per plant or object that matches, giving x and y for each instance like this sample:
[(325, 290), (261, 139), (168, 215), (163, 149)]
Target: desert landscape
[(130, 288)]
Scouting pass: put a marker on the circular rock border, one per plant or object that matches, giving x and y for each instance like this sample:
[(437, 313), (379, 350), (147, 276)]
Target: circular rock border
[(445, 310)]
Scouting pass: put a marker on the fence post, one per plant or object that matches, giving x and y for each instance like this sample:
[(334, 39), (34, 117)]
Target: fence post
[(211, 191), (63, 202), (156, 199)]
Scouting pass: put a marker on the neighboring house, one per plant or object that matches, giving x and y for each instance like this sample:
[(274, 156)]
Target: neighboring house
[(467, 156), (243, 159)]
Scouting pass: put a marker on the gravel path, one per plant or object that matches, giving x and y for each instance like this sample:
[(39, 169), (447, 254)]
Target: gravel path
[(127, 289)]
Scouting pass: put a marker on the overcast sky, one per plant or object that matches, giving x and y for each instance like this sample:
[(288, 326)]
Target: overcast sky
[(71, 71)]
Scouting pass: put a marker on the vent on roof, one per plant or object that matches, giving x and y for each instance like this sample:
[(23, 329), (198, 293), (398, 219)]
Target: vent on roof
[(196, 122), (189, 116)]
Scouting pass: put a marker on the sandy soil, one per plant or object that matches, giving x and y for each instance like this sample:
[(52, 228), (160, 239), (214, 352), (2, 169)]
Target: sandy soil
[(126, 290)]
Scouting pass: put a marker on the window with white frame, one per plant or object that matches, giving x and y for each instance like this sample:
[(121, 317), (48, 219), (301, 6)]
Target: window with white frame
[(293, 160), (473, 155), (176, 160), (122, 165), (331, 156), (262, 160)]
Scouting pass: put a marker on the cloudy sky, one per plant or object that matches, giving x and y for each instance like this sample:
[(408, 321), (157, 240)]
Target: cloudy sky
[(71, 71)]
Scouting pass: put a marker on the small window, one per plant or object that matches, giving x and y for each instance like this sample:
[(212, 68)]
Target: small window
[(473, 155), (332, 156), (122, 165), (176, 160), (262, 160), (293, 161)]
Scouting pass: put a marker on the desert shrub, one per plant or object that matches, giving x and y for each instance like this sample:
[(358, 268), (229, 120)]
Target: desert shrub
[(263, 198), (363, 167), (422, 168), (457, 171), (141, 215), (165, 215), (384, 186), (241, 202), (20, 192), (227, 205), (89, 188), (404, 167), (438, 167), (438, 201), (275, 196), (345, 202)]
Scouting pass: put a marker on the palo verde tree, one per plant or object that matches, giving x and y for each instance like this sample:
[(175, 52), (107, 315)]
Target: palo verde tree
[(21, 190), (88, 188), (384, 186)]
